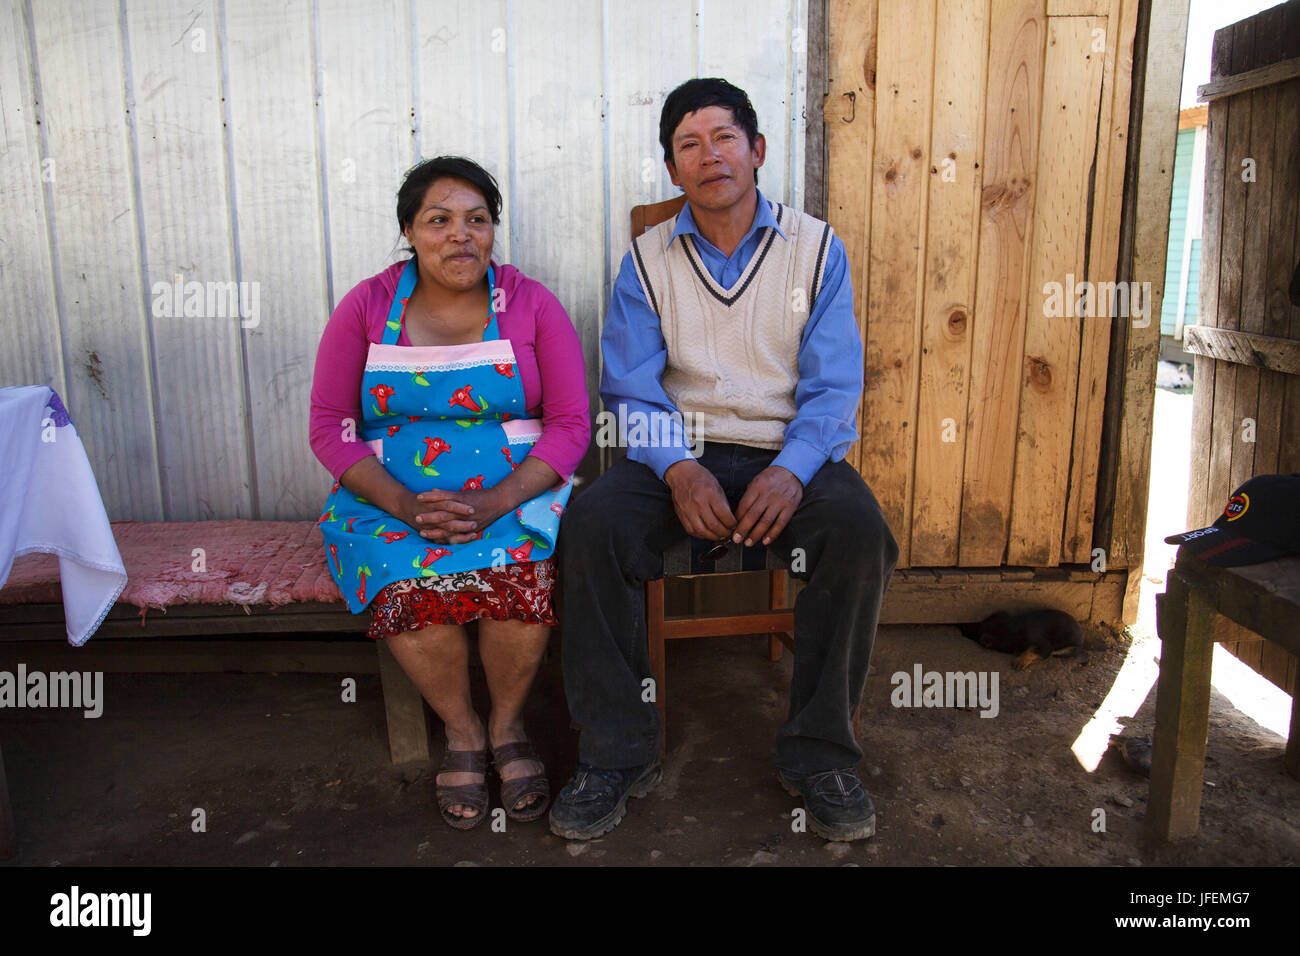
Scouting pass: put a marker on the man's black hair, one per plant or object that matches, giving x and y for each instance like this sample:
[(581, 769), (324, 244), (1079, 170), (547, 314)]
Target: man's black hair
[(425, 173), (699, 93)]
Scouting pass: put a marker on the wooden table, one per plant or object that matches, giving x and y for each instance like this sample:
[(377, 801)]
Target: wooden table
[(1263, 598)]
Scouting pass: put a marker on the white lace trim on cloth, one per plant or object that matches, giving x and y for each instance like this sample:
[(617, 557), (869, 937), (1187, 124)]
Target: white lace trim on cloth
[(522, 431), (419, 368)]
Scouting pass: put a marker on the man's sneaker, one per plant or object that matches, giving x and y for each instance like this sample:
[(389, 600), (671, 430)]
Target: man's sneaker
[(839, 807), (594, 801)]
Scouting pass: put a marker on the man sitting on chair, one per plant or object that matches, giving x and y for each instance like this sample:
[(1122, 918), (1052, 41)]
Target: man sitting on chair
[(738, 313)]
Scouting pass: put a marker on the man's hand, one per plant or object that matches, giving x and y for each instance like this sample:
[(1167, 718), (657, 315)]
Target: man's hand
[(767, 505), (698, 499)]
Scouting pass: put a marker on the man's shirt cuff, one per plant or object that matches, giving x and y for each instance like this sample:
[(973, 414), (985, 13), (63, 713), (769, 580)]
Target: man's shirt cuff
[(659, 459), (800, 458)]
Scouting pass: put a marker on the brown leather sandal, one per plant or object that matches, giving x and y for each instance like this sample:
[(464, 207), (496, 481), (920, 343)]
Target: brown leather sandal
[(472, 795), (512, 791)]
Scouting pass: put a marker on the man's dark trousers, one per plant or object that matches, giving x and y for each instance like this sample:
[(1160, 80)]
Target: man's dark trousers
[(611, 543)]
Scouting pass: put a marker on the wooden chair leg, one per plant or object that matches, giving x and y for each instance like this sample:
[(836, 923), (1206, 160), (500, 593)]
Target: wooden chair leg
[(8, 835), (1185, 619), (776, 602), (408, 726), (654, 613), (1292, 759)]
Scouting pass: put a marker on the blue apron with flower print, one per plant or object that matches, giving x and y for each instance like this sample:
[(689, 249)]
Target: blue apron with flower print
[(446, 416)]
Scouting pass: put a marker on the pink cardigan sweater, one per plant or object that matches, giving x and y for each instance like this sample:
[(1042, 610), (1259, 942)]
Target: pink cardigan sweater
[(547, 352)]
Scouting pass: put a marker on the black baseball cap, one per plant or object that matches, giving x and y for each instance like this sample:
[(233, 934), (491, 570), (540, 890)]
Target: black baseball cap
[(1261, 522)]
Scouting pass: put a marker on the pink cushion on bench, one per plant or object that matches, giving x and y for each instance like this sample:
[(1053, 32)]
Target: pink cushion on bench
[(246, 562)]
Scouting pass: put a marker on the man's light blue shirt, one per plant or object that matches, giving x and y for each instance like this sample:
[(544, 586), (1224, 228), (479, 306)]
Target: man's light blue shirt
[(830, 356)]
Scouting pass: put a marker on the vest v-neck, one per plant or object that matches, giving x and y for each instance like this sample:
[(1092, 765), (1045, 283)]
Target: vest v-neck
[(728, 297)]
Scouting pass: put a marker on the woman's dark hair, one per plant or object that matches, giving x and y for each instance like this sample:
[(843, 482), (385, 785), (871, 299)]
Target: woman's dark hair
[(426, 172), (695, 95)]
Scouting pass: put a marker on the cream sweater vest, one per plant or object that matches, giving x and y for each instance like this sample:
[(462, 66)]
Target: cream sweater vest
[(733, 354)]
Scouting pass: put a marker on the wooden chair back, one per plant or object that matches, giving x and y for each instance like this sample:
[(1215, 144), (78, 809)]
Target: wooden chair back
[(651, 214)]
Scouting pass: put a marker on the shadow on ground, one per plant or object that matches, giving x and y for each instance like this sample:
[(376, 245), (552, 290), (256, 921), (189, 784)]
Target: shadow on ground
[(288, 774)]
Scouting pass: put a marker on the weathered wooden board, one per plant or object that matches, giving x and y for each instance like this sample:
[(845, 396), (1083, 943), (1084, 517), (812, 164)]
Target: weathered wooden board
[(1226, 429), (1242, 419), (916, 598), (1288, 314), (1289, 433), (1275, 254), (111, 389), (1116, 44), (1251, 80), (1182, 712), (850, 111), (1152, 176), (1275, 665), (1268, 279), (176, 87), (1067, 145), (935, 595), (161, 656), (1078, 8), (1245, 348), (33, 353), (1014, 97), (951, 267), (1258, 177), (1201, 505), (816, 91), (900, 174), (1262, 597)]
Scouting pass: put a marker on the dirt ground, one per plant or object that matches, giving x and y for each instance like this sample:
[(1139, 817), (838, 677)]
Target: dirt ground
[(287, 774)]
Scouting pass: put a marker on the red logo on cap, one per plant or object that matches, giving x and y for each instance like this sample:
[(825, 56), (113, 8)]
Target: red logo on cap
[(1237, 506)]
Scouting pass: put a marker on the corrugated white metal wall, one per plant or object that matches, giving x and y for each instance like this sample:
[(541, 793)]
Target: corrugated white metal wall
[(249, 141)]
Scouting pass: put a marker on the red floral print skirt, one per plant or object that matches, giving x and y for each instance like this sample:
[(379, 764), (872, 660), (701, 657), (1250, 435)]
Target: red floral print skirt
[(518, 592)]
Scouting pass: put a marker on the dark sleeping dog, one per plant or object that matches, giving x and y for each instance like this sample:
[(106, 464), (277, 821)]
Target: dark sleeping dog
[(1032, 635)]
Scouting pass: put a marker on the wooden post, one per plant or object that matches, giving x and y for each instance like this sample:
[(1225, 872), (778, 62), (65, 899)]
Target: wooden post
[(1166, 40), (1184, 621), (849, 112), (654, 604), (408, 728), (1292, 759), (814, 164), (776, 592)]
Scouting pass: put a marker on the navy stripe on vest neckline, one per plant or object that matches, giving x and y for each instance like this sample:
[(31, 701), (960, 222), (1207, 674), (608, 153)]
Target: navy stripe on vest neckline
[(754, 265), (645, 276)]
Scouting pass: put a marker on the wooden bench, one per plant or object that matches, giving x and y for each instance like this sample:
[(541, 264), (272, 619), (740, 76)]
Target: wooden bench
[(236, 580), (1262, 598)]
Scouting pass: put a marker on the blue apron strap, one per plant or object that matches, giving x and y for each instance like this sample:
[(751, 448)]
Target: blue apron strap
[(405, 286), (490, 330)]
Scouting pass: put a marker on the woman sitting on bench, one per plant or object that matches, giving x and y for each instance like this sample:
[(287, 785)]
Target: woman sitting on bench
[(450, 404)]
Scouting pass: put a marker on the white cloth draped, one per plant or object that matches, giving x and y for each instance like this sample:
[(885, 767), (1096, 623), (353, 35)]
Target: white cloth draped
[(50, 502)]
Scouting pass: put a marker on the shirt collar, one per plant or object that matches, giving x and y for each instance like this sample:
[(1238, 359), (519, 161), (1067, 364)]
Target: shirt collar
[(763, 216)]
